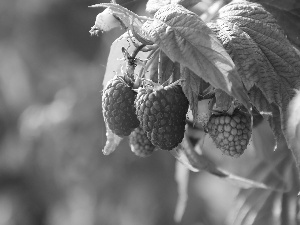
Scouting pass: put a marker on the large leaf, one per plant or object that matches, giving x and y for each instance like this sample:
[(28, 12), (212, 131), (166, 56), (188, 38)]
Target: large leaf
[(270, 62), (185, 38), (279, 67), (287, 13)]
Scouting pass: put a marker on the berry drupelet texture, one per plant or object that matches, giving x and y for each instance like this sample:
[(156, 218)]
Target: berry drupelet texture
[(118, 107), (162, 114), (140, 144), (231, 133)]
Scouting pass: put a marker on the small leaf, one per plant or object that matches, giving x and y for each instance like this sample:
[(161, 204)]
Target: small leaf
[(192, 86), (112, 142), (185, 38), (223, 100), (165, 65), (115, 62), (271, 111), (182, 179)]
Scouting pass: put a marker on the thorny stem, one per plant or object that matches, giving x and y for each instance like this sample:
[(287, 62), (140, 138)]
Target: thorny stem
[(160, 81), (137, 50)]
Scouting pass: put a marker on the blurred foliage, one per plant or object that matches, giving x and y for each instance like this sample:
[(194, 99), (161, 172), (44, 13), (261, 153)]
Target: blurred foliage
[(52, 170)]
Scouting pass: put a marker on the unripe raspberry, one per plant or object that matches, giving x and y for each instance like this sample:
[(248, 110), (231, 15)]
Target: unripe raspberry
[(231, 133), (140, 144), (162, 114), (118, 107)]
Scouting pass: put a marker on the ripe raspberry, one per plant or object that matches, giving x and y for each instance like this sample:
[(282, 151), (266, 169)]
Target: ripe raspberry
[(162, 113), (118, 107), (231, 133), (140, 144)]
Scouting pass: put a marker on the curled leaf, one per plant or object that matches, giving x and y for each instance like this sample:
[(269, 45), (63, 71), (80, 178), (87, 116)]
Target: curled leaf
[(112, 142), (124, 15), (105, 21)]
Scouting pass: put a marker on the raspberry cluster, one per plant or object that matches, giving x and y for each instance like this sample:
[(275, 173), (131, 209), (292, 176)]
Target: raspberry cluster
[(231, 133), (162, 114), (118, 107)]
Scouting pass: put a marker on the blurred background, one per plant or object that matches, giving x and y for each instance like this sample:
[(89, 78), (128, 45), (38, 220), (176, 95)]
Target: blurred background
[(52, 170)]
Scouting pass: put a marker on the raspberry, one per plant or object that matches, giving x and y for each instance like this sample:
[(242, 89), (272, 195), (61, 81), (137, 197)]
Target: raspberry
[(162, 113), (140, 144), (118, 107), (231, 133)]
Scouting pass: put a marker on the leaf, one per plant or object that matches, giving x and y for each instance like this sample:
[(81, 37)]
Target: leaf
[(223, 100), (201, 162), (116, 62), (258, 206), (289, 20), (242, 49), (163, 63), (287, 14), (283, 5), (182, 179), (271, 111), (112, 142), (192, 87), (185, 38), (279, 67), (274, 65)]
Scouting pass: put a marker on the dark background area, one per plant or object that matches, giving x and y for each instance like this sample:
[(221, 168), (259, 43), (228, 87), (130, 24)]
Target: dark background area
[(52, 170)]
